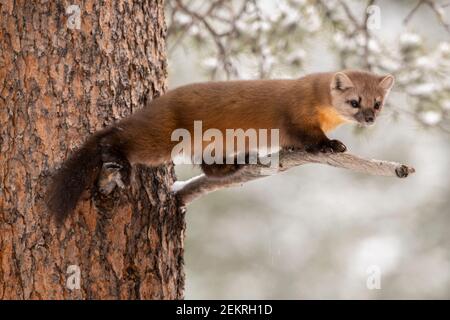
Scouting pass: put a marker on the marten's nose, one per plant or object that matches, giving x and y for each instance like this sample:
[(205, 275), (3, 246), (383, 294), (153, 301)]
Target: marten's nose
[(369, 116), (370, 119)]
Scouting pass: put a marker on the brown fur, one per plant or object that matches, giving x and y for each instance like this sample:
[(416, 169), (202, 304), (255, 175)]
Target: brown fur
[(303, 110)]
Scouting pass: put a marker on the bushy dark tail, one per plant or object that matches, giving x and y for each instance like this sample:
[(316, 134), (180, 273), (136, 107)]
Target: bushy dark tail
[(79, 172)]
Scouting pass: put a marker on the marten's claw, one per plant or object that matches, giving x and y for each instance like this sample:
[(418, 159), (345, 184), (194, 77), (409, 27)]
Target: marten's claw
[(110, 177), (329, 146), (326, 149), (337, 146), (112, 165)]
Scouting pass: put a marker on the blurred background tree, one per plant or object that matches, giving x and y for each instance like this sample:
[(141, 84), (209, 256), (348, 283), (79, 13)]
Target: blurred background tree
[(261, 39), (316, 232)]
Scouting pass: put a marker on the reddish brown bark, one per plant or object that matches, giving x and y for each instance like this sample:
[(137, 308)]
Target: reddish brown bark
[(58, 85)]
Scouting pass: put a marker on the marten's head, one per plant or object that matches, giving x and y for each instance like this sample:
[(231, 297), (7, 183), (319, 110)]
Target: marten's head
[(359, 96)]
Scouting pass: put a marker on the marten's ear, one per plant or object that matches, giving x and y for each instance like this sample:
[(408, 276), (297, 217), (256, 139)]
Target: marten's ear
[(341, 82), (387, 82)]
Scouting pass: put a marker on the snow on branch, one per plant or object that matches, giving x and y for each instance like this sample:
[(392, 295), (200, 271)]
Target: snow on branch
[(189, 190)]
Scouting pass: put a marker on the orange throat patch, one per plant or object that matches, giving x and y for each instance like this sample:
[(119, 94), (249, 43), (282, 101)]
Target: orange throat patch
[(329, 118)]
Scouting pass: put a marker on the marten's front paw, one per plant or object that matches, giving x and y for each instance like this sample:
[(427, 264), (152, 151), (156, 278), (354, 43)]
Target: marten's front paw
[(328, 146), (337, 146)]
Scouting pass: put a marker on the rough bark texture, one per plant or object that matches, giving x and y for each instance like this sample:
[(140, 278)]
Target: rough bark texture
[(58, 85)]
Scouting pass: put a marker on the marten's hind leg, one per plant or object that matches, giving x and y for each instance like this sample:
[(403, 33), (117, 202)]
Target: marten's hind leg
[(220, 170), (115, 163)]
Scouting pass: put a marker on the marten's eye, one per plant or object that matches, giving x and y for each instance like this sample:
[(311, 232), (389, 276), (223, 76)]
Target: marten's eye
[(354, 103), (377, 105)]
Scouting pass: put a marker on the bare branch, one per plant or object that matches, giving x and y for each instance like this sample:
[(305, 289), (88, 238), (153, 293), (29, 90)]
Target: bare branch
[(439, 12), (413, 11), (435, 7), (189, 190), (349, 14)]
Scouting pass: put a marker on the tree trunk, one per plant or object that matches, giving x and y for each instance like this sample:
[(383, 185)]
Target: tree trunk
[(67, 69)]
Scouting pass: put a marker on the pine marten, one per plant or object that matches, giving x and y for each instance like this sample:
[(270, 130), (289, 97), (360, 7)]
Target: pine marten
[(302, 109)]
